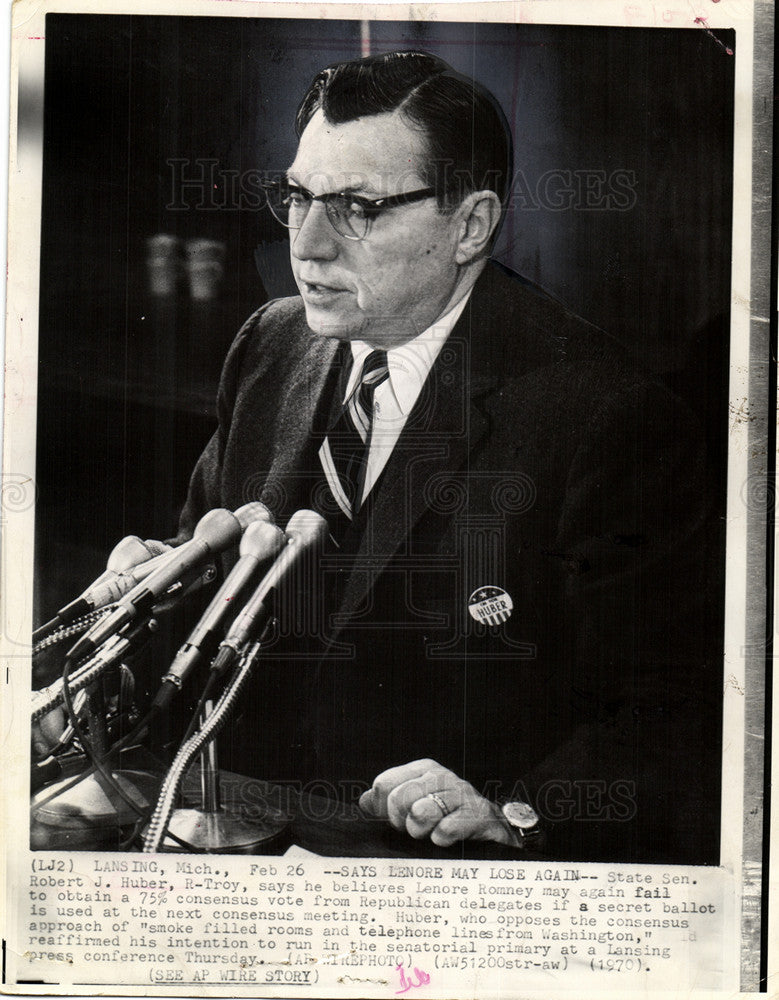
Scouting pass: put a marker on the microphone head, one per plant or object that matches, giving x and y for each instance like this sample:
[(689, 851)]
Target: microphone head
[(132, 550), (306, 527), (262, 540), (219, 529), (251, 512)]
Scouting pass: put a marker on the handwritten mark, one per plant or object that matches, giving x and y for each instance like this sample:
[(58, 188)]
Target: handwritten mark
[(704, 24), (406, 984)]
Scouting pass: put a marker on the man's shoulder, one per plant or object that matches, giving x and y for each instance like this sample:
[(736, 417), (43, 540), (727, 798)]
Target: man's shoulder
[(550, 367), (274, 323), (272, 336), (265, 348), (530, 333)]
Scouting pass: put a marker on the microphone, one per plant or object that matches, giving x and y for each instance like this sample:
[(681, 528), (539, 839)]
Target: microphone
[(306, 533), (141, 559), (129, 552), (217, 530), (260, 541), (132, 560), (113, 590)]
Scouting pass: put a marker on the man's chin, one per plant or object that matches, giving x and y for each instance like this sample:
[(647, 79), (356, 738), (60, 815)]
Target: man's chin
[(331, 326), (337, 326)]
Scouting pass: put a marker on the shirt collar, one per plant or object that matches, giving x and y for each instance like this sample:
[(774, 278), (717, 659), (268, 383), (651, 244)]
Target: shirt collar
[(410, 364)]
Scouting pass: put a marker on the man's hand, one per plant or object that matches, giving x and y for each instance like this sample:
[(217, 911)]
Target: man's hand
[(428, 800)]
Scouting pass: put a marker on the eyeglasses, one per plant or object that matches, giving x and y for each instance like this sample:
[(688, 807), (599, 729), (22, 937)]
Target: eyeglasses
[(350, 215)]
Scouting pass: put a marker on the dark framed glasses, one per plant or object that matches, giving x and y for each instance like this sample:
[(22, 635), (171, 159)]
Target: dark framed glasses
[(350, 215)]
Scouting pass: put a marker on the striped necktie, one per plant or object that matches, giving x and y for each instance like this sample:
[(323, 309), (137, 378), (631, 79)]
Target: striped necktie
[(344, 452)]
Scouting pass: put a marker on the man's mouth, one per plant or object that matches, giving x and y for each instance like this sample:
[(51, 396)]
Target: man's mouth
[(318, 286), (318, 292)]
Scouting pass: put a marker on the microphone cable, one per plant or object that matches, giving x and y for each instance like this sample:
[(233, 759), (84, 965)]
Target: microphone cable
[(138, 730), (86, 745), (74, 628), (95, 765)]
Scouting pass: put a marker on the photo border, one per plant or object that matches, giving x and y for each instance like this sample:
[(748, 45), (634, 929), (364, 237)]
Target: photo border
[(748, 653)]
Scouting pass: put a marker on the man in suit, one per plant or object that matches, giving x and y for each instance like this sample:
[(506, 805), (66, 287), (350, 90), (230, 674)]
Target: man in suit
[(507, 639)]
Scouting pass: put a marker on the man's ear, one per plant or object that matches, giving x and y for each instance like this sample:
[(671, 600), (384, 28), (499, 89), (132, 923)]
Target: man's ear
[(479, 214)]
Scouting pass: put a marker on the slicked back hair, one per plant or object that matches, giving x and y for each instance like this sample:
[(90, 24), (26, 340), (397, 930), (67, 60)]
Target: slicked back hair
[(468, 138)]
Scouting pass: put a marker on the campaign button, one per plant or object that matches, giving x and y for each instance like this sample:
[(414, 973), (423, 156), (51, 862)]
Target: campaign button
[(490, 605)]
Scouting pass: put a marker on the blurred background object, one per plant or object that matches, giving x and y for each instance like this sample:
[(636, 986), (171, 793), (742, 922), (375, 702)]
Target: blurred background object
[(163, 262), (205, 268)]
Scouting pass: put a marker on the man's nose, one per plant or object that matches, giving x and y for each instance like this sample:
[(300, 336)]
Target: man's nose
[(316, 239)]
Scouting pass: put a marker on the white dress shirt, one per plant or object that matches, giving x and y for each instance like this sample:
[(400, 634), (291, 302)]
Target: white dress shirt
[(409, 365)]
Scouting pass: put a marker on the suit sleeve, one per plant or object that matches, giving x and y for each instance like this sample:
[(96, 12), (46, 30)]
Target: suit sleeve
[(204, 491)]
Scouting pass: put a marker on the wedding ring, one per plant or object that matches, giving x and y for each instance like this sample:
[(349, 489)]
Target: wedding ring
[(439, 802)]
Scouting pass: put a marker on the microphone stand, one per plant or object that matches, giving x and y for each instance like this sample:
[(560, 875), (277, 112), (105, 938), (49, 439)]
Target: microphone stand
[(211, 828)]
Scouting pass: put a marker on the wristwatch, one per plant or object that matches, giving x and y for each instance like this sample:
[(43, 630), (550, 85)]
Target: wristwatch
[(524, 825)]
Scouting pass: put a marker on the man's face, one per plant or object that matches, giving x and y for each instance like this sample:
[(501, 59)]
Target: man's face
[(391, 285)]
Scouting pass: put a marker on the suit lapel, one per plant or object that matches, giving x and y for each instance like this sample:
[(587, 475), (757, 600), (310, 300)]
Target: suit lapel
[(309, 391), (444, 427)]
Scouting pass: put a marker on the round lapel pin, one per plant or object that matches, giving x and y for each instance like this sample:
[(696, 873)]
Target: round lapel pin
[(490, 605)]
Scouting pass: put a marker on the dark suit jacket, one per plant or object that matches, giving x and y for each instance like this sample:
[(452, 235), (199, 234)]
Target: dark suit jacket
[(538, 460)]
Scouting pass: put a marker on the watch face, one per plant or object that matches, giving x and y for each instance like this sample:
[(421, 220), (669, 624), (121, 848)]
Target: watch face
[(520, 815)]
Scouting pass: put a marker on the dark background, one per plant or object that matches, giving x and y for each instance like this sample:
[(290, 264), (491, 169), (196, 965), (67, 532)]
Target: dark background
[(127, 379)]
